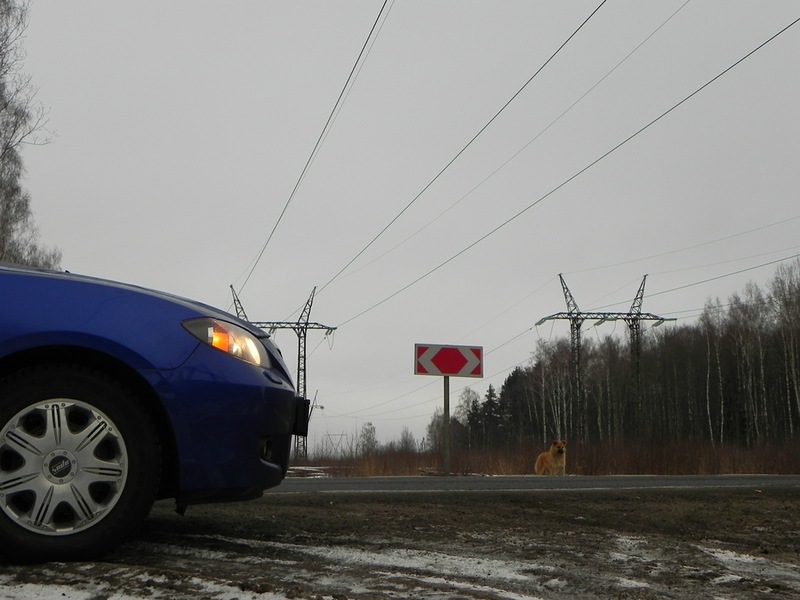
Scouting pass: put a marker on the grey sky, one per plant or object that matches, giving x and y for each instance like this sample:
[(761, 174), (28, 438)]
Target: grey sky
[(181, 128)]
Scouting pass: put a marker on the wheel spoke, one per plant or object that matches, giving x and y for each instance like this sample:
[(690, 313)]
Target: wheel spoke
[(25, 444), (83, 504), (43, 508), (15, 481), (56, 423), (85, 441), (101, 471)]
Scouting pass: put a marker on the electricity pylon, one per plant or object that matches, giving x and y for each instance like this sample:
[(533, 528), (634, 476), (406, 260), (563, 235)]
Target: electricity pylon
[(633, 319), (300, 327)]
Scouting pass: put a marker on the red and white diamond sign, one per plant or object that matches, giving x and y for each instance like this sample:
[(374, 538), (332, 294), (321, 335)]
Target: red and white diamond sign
[(456, 361)]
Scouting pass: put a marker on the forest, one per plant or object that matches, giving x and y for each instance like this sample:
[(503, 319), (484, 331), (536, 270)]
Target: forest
[(718, 395), (731, 377)]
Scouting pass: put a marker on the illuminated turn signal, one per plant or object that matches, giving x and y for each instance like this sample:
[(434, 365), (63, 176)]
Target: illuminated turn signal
[(220, 339), (231, 339)]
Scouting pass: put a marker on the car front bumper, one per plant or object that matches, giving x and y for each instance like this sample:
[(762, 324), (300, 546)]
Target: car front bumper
[(232, 423)]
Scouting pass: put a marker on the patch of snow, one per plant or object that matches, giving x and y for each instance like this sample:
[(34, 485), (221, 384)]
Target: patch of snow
[(631, 584), (433, 568), (555, 584), (219, 555), (218, 591), (419, 560), (745, 566), (472, 587), (727, 556), (308, 472), (727, 579), (37, 591), (632, 549), (629, 543), (209, 591)]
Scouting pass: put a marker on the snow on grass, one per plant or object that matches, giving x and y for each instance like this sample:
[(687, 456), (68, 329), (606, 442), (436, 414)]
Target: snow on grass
[(631, 584), (436, 569), (420, 560), (628, 548), (395, 572), (408, 559), (746, 566), (206, 590), (42, 591), (218, 555), (445, 582)]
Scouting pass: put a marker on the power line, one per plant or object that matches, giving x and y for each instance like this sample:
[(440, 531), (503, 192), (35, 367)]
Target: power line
[(717, 277), (683, 287), (531, 141), (693, 247), (361, 66), (315, 149), (569, 179), (417, 389), (590, 316), (698, 266), (460, 152), (726, 262), (360, 413)]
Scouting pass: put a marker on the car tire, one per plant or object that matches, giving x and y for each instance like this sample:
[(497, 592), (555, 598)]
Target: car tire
[(79, 464)]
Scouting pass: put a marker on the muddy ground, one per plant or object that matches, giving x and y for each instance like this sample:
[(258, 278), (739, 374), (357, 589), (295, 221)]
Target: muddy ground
[(588, 544)]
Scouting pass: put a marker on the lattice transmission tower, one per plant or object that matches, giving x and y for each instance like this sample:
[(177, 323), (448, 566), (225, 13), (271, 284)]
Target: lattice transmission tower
[(633, 319), (300, 327)]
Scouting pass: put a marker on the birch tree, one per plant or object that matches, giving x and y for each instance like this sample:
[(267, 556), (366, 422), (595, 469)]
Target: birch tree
[(22, 121)]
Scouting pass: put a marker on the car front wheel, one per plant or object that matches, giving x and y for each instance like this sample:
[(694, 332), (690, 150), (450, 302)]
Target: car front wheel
[(79, 464)]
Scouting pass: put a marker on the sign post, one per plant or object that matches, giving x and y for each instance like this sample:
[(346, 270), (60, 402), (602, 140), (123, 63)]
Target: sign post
[(446, 361), (446, 427)]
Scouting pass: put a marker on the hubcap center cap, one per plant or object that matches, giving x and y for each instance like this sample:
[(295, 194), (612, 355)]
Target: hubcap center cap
[(60, 466)]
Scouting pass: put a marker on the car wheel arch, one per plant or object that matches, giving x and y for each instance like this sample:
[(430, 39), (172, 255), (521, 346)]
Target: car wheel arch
[(126, 376)]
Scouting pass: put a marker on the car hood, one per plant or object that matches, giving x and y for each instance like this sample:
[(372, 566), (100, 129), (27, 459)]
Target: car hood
[(61, 305), (192, 305)]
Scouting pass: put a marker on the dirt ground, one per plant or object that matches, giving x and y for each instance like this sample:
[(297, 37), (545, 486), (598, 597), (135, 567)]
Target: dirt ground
[(590, 544)]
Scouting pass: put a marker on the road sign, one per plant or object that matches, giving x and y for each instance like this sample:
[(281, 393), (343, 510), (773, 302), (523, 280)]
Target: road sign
[(455, 361)]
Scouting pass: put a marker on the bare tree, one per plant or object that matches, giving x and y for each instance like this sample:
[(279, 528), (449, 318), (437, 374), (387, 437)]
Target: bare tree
[(22, 121), (465, 400), (433, 436), (407, 441), (786, 297), (367, 440)]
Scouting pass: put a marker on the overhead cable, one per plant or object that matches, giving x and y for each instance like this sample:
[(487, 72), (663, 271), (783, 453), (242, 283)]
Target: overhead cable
[(692, 247), (316, 147), (460, 152), (531, 141), (688, 285), (569, 179)]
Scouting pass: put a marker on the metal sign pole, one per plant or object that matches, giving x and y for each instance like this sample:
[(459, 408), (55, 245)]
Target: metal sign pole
[(446, 427), (438, 359)]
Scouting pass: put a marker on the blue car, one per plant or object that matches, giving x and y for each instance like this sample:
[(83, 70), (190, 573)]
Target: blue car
[(113, 396)]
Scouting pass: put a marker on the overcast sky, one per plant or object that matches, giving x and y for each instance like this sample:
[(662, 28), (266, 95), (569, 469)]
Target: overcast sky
[(181, 129)]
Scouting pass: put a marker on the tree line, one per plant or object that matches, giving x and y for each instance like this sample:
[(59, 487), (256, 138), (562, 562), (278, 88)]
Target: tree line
[(730, 378), (22, 122)]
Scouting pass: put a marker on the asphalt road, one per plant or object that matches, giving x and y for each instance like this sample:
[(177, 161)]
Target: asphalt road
[(530, 483)]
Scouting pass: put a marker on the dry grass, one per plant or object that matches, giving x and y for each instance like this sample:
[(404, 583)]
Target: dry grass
[(604, 459)]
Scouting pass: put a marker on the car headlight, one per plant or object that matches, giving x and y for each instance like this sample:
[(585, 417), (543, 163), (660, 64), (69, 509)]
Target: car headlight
[(231, 339)]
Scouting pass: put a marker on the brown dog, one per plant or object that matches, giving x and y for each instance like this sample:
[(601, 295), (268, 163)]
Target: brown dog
[(554, 461)]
